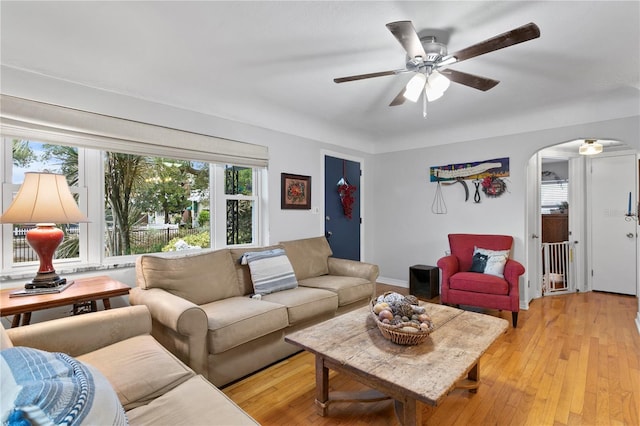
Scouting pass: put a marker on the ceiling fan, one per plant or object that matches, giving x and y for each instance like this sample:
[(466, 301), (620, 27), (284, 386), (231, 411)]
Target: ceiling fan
[(429, 60)]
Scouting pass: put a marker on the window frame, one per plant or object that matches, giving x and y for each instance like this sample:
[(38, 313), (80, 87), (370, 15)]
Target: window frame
[(91, 175)]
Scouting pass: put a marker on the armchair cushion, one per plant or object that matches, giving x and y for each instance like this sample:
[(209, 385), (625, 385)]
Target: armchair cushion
[(134, 356), (478, 283)]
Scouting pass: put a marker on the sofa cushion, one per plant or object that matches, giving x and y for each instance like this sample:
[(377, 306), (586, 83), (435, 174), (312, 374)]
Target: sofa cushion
[(126, 365), (192, 403), (479, 283), (244, 274), (271, 271), (489, 262), (348, 289), (308, 256), (199, 278), (41, 387), (304, 303), (238, 320)]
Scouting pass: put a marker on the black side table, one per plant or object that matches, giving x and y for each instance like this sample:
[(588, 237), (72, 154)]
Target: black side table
[(424, 281)]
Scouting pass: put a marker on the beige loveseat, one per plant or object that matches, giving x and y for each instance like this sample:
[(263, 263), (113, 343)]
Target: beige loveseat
[(153, 386), (203, 314)]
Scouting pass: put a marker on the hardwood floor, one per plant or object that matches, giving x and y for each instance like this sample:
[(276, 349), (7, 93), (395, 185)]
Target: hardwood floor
[(573, 360)]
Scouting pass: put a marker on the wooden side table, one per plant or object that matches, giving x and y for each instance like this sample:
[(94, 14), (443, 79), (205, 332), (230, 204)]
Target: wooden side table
[(82, 291), (424, 281)]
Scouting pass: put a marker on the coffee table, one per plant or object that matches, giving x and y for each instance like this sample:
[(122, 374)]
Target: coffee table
[(352, 344)]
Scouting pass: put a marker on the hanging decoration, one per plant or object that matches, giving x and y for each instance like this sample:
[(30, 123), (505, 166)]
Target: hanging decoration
[(438, 206), (487, 175), (493, 186), (346, 192)]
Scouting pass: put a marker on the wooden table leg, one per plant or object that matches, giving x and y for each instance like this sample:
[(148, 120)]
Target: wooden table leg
[(322, 387), (409, 412), (26, 318), (106, 303), (15, 322), (472, 382), (474, 376)]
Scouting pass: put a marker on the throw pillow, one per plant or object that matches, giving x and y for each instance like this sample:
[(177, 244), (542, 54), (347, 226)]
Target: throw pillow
[(271, 271), (41, 387), (489, 261)]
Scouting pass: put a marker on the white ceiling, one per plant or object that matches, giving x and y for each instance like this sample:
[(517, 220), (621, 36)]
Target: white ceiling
[(271, 63)]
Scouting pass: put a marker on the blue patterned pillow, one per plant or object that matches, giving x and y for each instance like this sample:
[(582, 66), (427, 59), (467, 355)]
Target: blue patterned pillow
[(41, 387), (271, 271)]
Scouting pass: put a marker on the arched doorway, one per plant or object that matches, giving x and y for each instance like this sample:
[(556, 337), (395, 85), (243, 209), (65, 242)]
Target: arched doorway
[(562, 163)]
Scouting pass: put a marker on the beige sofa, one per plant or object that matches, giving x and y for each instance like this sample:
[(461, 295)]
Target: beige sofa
[(203, 314), (153, 386)]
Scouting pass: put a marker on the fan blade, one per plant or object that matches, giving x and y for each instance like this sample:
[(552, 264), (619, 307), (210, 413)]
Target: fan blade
[(398, 100), (475, 81), (406, 34), (518, 35), (370, 75)]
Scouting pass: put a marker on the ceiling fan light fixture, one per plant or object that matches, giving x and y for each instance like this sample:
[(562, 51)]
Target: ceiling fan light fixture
[(432, 93), (590, 147), (439, 82), (414, 87)]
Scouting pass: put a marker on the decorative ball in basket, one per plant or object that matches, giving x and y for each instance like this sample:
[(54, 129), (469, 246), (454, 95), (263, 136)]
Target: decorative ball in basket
[(401, 319)]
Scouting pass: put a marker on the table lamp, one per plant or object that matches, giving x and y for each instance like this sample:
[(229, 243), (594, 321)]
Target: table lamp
[(44, 199)]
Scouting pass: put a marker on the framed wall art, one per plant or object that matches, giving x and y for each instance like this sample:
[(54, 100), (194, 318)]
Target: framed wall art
[(296, 192)]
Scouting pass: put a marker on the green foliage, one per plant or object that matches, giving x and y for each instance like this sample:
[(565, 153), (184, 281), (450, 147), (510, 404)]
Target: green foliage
[(203, 218), (22, 153), (200, 240)]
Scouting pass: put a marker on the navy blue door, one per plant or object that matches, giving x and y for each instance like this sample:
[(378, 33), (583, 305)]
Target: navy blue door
[(342, 232)]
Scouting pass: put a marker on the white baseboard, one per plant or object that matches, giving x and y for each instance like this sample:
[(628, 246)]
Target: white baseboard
[(391, 281), (638, 322)]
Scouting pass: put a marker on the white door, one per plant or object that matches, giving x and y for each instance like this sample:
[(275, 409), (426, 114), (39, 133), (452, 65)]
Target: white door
[(613, 237), (533, 284)]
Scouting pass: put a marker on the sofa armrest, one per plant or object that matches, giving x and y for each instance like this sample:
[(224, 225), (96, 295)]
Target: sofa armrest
[(449, 265), (512, 271), (353, 268), (182, 324), (81, 334)]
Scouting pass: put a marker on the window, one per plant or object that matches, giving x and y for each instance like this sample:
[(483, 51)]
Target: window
[(136, 203), (553, 195), (29, 156), (240, 201)]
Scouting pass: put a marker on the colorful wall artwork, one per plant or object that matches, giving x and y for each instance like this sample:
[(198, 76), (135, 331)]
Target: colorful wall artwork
[(498, 167)]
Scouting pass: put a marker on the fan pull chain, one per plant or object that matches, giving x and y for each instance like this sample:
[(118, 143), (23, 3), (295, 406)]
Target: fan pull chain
[(424, 103)]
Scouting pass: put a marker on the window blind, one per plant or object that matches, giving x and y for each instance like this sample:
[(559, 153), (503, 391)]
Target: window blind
[(27, 119)]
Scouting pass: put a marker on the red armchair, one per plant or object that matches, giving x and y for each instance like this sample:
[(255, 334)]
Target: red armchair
[(460, 286)]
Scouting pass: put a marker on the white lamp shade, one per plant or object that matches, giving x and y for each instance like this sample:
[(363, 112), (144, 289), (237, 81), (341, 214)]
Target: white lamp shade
[(414, 87), (590, 147), (431, 93), (439, 82), (43, 198)]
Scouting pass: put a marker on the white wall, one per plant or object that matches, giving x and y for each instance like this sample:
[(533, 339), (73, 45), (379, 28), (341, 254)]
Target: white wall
[(406, 232)]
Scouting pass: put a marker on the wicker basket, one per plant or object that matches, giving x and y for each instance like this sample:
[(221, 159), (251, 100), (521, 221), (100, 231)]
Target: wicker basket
[(396, 335)]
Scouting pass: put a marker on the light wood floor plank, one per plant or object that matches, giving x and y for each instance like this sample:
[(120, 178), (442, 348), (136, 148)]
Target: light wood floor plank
[(573, 360)]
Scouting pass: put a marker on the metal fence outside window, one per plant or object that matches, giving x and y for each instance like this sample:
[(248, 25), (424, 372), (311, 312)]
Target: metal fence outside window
[(146, 240)]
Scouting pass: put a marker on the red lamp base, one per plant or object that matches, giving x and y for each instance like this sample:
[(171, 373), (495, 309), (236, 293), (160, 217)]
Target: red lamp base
[(44, 239)]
